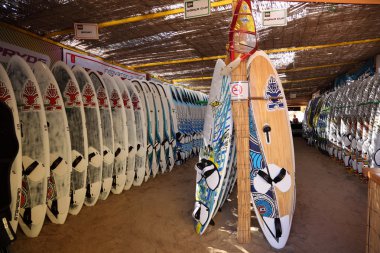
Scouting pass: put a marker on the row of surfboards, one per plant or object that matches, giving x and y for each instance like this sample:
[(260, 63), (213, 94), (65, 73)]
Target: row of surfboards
[(272, 165), (345, 123), (84, 134)]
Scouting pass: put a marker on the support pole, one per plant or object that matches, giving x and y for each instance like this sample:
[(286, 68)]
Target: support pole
[(241, 126)]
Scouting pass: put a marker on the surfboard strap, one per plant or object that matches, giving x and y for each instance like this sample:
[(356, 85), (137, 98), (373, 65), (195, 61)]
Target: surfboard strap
[(277, 225), (275, 180)]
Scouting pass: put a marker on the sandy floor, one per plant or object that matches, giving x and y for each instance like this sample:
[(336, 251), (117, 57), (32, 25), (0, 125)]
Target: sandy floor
[(156, 217)]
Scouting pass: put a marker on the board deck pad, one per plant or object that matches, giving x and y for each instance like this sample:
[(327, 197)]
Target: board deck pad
[(58, 194), (35, 146), (141, 133), (78, 133), (107, 133), (272, 172), (94, 135), (7, 96), (213, 158)]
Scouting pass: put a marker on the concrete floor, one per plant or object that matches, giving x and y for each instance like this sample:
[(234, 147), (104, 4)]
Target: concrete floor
[(156, 217)]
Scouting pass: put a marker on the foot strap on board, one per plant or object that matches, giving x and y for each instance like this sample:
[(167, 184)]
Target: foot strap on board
[(277, 226), (7, 235), (269, 180)]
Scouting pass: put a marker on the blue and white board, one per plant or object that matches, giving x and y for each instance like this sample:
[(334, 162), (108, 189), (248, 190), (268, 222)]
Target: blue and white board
[(107, 133), (35, 146), (168, 132), (161, 127), (94, 135), (78, 133), (173, 124), (58, 194), (7, 95), (154, 126), (213, 159)]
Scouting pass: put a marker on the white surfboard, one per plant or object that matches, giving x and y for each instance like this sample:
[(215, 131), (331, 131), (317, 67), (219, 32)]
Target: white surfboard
[(58, 194), (120, 134), (167, 127), (141, 132), (160, 126), (131, 126), (107, 133), (94, 135), (173, 124), (78, 133), (35, 146), (151, 153), (153, 124), (7, 95)]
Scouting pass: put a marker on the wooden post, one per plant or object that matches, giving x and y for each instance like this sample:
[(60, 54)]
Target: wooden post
[(241, 126)]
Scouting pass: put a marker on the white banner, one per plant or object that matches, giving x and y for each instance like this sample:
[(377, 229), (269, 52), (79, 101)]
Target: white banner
[(8, 50), (72, 58)]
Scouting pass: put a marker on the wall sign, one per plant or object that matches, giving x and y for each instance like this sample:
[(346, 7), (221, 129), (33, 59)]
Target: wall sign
[(274, 17), (86, 31), (239, 90), (197, 8)]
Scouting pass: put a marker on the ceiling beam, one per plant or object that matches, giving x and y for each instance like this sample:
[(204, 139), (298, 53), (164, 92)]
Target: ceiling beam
[(339, 1), (137, 18), (270, 51), (315, 67)]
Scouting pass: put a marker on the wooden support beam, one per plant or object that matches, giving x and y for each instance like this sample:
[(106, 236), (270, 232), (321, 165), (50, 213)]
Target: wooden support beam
[(240, 114)]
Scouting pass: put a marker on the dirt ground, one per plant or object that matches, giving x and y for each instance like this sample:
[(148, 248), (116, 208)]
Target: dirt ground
[(156, 217)]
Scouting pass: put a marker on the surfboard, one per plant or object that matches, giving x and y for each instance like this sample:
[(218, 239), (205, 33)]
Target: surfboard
[(131, 128), (7, 95), (120, 132), (72, 99), (153, 126), (368, 120), (141, 133), (35, 146), (58, 191), (213, 158), (151, 153), (161, 127), (107, 133), (361, 128), (168, 127), (273, 172), (174, 122), (94, 135)]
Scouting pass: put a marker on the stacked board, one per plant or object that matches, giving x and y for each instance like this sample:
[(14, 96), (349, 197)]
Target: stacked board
[(346, 124), (93, 134)]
